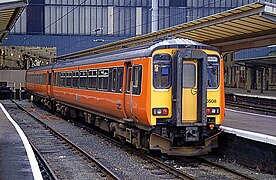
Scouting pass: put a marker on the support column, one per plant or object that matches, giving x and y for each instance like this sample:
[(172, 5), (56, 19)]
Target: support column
[(154, 17), (249, 80), (238, 74), (262, 80)]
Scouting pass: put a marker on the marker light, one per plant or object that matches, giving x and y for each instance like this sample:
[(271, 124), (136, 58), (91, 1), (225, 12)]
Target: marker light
[(165, 111), (160, 111), (213, 111)]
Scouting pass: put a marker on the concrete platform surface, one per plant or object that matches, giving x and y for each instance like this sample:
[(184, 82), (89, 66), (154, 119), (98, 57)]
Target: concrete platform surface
[(253, 126), (17, 160)]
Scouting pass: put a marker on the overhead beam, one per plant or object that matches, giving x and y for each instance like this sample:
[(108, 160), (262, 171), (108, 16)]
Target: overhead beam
[(227, 29)]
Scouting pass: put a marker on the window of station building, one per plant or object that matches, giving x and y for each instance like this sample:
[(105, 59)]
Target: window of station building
[(62, 79), (178, 3), (103, 79), (83, 79), (92, 79), (162, 71), (68, 79), (136, 79), (75, 79)]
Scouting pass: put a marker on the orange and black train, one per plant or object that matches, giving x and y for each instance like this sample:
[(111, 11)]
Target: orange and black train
[(167, 95)]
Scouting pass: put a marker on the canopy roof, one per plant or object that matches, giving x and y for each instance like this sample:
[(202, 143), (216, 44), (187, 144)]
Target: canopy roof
[(252, 25), (10, 10)]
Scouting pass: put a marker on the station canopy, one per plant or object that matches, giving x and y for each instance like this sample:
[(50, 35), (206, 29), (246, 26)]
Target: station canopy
[(260, 62), (10, 10), (249, 26)]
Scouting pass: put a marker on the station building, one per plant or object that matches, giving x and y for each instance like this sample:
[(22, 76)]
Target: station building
[(73, 25)]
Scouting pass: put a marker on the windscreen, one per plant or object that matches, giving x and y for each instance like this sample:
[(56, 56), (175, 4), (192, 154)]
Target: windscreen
[(213, 72)]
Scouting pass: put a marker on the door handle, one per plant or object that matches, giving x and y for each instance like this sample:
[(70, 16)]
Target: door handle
[(193, 91)]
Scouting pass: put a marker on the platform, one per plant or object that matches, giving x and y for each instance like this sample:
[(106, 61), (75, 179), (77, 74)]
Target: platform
[(253, 93), (17, 160), (251, 126)]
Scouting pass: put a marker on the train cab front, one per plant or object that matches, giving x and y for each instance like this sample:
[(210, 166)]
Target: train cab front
[(186, 120)]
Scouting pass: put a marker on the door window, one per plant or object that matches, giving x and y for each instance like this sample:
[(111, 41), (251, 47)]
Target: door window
[(136, 79), (189, 75)]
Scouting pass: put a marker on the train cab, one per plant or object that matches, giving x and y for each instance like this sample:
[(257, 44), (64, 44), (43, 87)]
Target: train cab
[(187, 100)]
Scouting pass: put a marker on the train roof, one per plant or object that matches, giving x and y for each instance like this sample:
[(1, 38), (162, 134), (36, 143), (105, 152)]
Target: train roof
[(128, 53)]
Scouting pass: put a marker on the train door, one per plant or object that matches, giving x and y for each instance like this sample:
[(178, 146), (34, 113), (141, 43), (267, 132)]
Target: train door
[(128, 90), (48, 83), (189, 87), (52, 80), (189, 91), (133, 89)]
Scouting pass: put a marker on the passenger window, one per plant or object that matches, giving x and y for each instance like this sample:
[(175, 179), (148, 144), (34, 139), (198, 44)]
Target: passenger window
[(92, 79), (103, 79), (62, 79), (128, 79), (68, 79), (113, 79), (213, 71), (162, 71), (136, 79), (58, 78), (83, 79), (49, 78), (189, 75), (43, 78), (75, 79), (120, 76)]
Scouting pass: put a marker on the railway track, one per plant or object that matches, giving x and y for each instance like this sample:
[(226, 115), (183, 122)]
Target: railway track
[(162, 167), (244, 176), (161, 163), (252, 104), (46, 170), (252, 107), (54, 142)]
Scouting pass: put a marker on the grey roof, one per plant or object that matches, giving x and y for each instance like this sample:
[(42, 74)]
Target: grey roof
[(129, 53)]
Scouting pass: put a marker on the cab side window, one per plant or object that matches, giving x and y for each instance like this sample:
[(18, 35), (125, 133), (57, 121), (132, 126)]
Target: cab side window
[(136, 79), (162, 71)]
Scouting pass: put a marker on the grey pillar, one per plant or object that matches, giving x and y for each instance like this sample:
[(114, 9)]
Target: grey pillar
[(262, 80), (154, 16), (249, 80), (238, 74)]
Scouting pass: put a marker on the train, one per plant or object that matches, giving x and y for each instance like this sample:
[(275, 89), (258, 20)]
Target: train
[(167, 95)]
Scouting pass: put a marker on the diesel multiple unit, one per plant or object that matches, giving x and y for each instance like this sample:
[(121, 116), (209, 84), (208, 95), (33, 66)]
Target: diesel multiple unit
[(167, 95)]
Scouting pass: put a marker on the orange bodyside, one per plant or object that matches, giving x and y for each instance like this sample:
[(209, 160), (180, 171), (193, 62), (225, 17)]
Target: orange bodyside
[(110, 103), (222, 94), (38, 88)]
